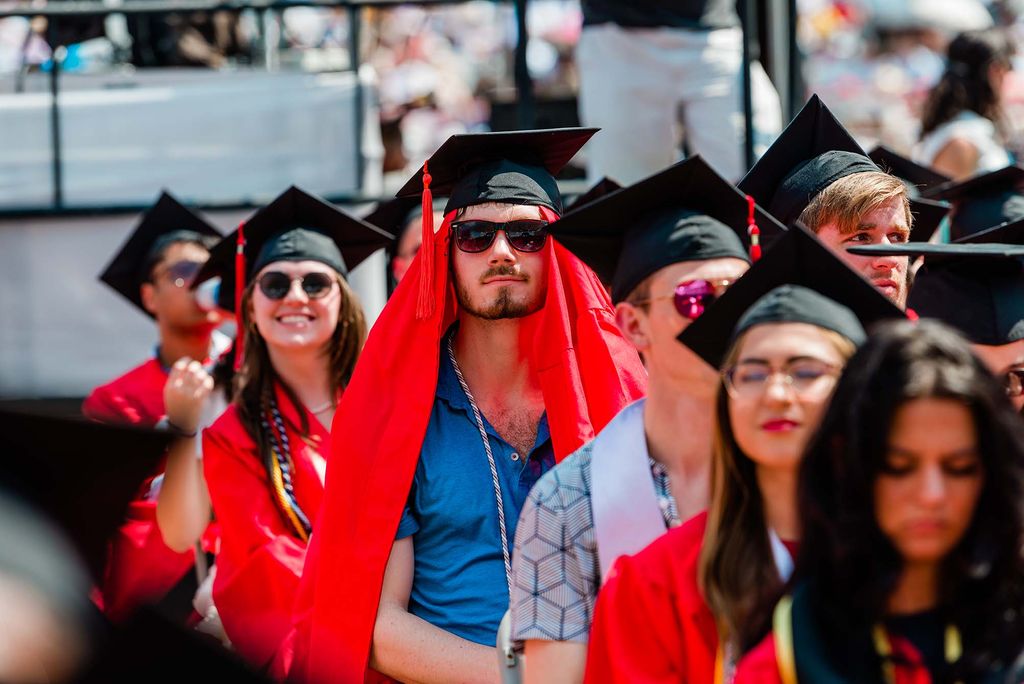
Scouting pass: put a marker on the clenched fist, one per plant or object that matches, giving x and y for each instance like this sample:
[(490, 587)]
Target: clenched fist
[(186, 390)]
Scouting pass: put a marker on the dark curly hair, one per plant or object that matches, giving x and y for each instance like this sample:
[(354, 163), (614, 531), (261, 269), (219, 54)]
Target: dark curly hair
[(965, 85), (849, 566)]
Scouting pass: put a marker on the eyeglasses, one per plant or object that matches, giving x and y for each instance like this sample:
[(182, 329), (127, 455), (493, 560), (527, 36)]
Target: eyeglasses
[(276, 285), (1013, 381), (806, 377), (692, 297), (180, 273), (475, 236)]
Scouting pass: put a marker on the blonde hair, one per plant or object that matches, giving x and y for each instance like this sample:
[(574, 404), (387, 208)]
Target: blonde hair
[(736, 570), (850, 198)]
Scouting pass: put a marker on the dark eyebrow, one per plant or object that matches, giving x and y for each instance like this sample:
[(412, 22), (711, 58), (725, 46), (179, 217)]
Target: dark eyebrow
[(791, 359)]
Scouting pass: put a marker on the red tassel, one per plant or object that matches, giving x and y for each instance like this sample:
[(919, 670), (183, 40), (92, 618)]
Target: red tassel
[(753, 231), (425, 303), (912, 315), (239, 291)]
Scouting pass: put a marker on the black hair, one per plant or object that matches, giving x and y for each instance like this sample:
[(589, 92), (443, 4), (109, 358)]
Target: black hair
[(849, 566), (965, 84)]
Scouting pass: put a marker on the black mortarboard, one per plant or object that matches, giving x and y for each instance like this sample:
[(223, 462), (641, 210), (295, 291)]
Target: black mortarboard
[(919, 178), (1011, 233), (296, 226), (151, 648), (685, 213), (81, 473), (603, 187), (797, 258), (928, 215), (976, 288), (812, 153), (516, 167), (394, 215), (166, 222), (983, 201)]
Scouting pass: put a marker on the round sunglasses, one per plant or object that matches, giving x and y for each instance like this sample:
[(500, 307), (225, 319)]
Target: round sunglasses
[(475, 236), (692, 297), (276, 285)]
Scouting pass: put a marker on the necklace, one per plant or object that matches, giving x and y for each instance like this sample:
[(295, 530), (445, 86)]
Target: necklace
[(320, 409), (490, 460)]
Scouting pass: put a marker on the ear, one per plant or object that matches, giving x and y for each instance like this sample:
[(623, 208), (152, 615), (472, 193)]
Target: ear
[(148, 293), (632, 321)]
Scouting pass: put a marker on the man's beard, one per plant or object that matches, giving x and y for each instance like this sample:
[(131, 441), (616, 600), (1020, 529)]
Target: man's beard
[(502, 307)]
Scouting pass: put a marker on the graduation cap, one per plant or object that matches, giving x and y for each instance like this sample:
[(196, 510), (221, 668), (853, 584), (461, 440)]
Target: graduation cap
[(797, 259), (515, 167), (983, 200), (1011, 233), (597, 191), (80, 473), (812, 153), (976, 288), (168, 221), (151, 648), (685, 213), (394, 216), (919, 178), (296, 226)]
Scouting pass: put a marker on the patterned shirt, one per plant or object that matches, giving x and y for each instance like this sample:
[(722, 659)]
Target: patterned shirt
[(555, 568)]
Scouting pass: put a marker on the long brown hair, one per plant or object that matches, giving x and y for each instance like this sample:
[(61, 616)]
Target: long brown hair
[(736, 571), (256, 381)]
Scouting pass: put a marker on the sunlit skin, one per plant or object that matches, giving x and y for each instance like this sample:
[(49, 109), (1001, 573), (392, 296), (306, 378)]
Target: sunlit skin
[(297, 321), (500, 282), (927, 492), (773, 427), (887, 224), (1002, 358), (174, 304), (654, 331)]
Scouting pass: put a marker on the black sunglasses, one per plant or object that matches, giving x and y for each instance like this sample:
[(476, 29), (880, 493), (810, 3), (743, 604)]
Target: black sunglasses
[(275, 284), (475, 236), (181, 273)]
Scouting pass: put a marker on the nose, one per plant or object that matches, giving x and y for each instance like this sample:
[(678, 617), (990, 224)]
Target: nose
[(777, 389), (295, 291), (501, 250), (932, 486)]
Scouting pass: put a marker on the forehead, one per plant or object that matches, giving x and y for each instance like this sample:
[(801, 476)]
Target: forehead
[(178, 251), (704, 269), (887, 216), (781, 341), (296, 268), (495, 211)]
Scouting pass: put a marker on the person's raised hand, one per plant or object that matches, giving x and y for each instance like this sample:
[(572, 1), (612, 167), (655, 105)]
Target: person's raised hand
[(187, 388)]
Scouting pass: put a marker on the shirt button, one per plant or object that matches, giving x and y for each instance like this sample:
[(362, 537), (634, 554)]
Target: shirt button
[(515, 456)]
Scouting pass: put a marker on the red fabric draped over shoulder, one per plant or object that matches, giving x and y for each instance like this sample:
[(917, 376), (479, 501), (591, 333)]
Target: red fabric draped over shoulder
[(587, 372)]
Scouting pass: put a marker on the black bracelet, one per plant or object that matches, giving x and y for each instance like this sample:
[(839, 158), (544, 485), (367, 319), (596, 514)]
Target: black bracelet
[(179, 431)]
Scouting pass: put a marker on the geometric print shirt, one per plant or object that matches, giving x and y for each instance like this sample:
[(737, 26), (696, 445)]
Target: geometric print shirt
[(555, 569)]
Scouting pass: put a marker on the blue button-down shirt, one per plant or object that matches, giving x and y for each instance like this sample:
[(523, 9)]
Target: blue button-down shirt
[(459, 578)]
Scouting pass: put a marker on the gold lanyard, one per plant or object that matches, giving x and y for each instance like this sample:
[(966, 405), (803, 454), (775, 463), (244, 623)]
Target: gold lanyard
[(952, 647)]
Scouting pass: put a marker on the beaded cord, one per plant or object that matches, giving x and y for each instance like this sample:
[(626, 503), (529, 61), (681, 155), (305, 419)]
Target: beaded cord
[(279, 467)]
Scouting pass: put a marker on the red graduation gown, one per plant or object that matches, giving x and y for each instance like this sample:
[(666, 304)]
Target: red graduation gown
[(140, 568), (260, 559), (651, 623), (587, 372), (760, 666)]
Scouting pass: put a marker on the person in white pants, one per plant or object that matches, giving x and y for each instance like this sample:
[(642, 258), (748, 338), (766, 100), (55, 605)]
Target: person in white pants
[(654, 73)]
